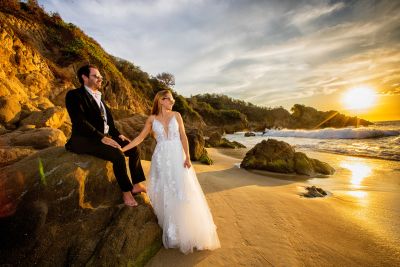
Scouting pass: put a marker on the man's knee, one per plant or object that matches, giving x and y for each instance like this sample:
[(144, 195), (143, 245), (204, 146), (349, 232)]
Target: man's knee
[(117, 156), (133, 153)]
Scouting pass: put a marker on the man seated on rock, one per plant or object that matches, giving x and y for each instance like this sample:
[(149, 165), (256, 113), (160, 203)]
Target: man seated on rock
[(94, 132)]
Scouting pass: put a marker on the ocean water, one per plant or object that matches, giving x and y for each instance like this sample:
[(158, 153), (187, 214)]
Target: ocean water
[(381, 140)]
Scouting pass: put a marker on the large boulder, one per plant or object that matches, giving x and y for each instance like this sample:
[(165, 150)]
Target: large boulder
[(9, 155), (66, 128), (41, 102), (3, 130), (196, 143), (197, 149), (10, 109), (36, 138), (214, 139), (278, 156), (60, 208), (52, 117)]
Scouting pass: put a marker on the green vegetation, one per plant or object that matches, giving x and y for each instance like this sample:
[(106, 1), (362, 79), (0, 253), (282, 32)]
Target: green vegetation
[(187, 112), (280, 165), (167, 78), (205, 159), (139, 79), (229, 119), (41, 172), (303, 165), (65, 48), (146, 255), (223, 102), (312, 118), (237, 114)]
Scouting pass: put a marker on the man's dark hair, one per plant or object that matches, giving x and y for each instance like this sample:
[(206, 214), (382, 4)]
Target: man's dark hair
[(85, 70)]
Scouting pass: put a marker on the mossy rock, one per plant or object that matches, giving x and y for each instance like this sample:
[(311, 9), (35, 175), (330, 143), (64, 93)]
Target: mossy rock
[(280, 165), (277, 156), (238, 145), (205, 158), (303, 165), (323, 167)]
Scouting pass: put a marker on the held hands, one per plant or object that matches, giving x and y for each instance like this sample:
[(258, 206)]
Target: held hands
[(124, 138), (109, 141), (124, 149), (187, 163)]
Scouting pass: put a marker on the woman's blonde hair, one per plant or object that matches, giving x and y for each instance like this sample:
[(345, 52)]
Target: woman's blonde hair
[(156, 102)]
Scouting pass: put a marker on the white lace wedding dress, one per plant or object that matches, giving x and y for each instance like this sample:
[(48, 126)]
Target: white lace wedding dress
[(176, 195)]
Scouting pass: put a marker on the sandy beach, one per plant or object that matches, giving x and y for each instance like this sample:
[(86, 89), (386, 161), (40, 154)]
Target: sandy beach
[(78, 79), (263, 221)]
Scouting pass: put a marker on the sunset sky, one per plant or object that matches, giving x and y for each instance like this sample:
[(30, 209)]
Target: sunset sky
[(270, 53)]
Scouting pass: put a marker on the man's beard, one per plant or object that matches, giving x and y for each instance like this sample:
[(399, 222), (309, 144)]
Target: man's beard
[(96, 86)]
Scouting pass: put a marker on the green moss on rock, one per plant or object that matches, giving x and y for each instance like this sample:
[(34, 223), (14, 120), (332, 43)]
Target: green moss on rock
[(278, 156)]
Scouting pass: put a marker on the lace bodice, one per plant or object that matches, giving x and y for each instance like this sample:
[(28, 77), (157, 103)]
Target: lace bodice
[(171, 132)]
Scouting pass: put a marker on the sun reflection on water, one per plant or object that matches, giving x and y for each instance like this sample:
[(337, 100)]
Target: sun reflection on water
[(359, 171), (357, 194)]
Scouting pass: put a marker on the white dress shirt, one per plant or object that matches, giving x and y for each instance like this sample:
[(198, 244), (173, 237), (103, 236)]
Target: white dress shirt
[(97, 97)]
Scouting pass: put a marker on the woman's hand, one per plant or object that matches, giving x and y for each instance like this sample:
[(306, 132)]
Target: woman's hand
[(124, 149), (187, 163), (124, 138)]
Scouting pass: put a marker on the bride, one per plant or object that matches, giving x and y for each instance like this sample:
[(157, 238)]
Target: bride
[(174, 191)]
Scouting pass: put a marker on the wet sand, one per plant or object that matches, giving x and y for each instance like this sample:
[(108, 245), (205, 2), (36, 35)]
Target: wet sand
[(263, 221)]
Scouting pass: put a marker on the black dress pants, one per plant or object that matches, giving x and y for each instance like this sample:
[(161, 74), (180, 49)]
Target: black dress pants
[(84, 145)]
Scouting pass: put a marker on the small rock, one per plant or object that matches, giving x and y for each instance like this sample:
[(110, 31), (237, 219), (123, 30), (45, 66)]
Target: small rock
[(248, 134), (313, 191)]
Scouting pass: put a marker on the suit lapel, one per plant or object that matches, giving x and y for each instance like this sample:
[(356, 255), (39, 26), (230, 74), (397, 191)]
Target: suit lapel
[(90, 100)]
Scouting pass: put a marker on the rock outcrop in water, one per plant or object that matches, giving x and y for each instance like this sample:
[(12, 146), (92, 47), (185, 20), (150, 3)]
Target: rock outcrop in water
[(278, 156), (216, 140)]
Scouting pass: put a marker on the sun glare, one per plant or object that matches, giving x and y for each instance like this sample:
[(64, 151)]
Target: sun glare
[(359, 171), (359, 98)]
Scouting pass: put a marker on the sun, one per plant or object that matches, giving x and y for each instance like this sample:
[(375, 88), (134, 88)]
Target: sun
[(359, 98)]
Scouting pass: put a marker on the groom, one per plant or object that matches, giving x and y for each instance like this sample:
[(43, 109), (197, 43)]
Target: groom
[(94, 132)]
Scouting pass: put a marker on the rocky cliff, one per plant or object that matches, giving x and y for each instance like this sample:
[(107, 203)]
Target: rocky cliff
[(40, 55), (59, 208)]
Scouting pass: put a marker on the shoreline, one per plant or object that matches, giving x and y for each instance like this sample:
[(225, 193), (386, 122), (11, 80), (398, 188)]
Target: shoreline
[(380, 142), (241, 152), (263, 221)]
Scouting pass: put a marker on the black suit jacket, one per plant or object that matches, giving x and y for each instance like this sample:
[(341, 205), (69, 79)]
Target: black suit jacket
[(86, 118)]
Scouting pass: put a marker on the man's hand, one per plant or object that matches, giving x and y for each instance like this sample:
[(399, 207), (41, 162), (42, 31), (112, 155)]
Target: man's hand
[(110, 142), (124, 138)]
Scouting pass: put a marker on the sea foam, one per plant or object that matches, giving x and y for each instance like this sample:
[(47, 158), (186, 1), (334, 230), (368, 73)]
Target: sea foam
[(332, 133)]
